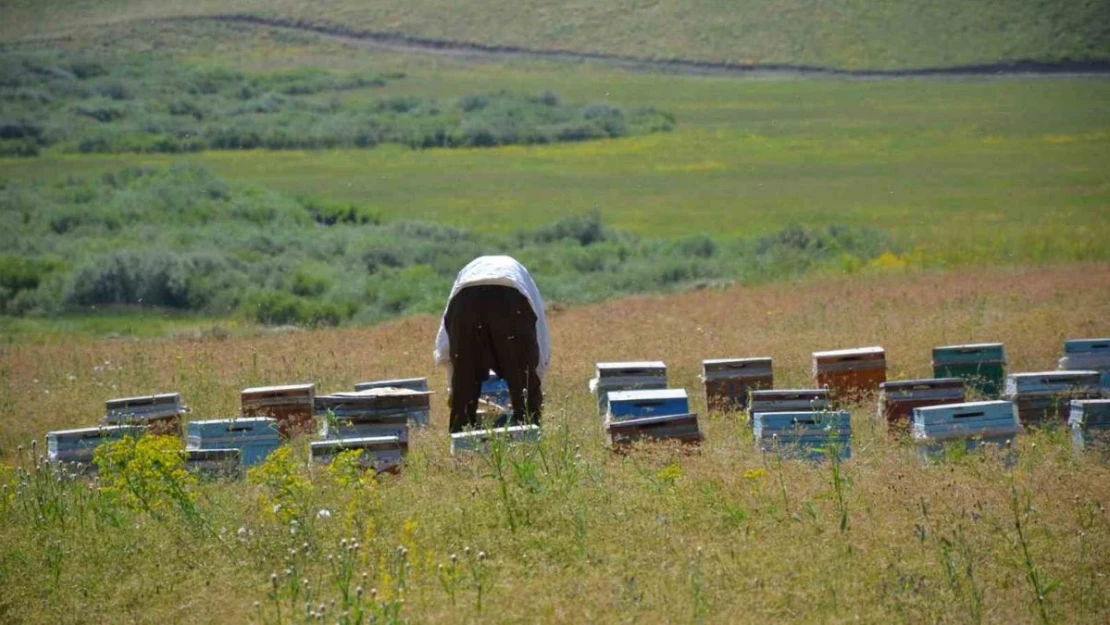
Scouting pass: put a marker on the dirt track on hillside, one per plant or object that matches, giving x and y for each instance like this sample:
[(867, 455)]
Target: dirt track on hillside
[(399, 42)]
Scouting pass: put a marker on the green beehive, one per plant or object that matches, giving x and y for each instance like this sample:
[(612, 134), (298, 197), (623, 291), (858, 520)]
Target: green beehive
[(982, 365)]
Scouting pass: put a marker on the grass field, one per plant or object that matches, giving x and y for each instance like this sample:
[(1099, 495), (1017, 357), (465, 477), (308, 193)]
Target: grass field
[(843, 33), (992, 194), (721, 535)]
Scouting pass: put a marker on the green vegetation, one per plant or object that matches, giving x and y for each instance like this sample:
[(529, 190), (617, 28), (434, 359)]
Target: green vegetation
[(835, 33), (89, 103), (184, 240)]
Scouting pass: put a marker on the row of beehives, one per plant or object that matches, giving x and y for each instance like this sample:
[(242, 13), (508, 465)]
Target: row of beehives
[(374, 418), (635, 402), (632, 397)]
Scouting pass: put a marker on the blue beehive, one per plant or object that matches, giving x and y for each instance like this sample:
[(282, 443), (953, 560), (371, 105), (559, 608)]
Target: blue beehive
[(496, 391), (254, 437), (972, 423), (73, 446), (1089, 421), (652, 403), (1088, 355), (626, 376), (479, 440), (807, 434)]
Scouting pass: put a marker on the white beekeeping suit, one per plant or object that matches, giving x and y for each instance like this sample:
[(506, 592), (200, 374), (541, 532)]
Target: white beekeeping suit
[(499, 271)]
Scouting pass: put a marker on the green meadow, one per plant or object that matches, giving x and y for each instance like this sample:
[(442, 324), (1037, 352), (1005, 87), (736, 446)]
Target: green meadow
[(757, 179)]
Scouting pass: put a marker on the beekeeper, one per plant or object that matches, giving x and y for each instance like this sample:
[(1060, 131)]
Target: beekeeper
[(494, 321)]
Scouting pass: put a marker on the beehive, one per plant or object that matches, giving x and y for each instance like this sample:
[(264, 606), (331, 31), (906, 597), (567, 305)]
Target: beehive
[(1089, 420), (375, 412), (729, 380), (254, 437), (787, 400), (291, 405), (649, 403), (1044, 397), (416, 417), (381, 453), (480, 440), (496, 391), (981, 365), (216, 463), (78, 446), (809, 435), (970, 424), (898, 399), (626, 376), (850, 374), (1088, 355), (159, 414)]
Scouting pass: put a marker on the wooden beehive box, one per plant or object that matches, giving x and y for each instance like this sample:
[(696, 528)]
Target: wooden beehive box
[(159, 414), (971, 424), (729, 380), (807, 435), (254, 437), (981, 365), (679, 427), (898, 399), (1044, 397), (214, 463), (1089, 421), (850, 374), (79, 445), (381, 453), (480, 440), (291, 405), (1088, 355), (376, 412), (626, 376), (787, 400), (417, 417)]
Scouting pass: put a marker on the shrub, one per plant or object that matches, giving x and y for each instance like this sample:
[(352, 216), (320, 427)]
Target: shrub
[(131, 278)]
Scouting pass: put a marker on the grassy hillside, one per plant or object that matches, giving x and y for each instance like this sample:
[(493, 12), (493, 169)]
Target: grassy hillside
[(842, 33), (955, 171), (722, 535)]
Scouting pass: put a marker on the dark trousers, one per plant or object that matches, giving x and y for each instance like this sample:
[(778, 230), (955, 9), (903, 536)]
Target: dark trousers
[(492, 327)]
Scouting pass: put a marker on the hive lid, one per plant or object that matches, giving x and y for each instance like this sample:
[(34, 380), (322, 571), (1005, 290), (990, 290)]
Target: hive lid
[(647, 395), (857, 351)]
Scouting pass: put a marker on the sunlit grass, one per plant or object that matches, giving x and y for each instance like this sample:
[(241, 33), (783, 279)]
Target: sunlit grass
[(659, 535)]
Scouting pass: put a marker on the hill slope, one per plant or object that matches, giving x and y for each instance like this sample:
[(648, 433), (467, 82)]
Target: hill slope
[(840, 33)]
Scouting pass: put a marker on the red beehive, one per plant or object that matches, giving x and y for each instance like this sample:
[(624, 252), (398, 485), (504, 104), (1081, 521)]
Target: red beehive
[(850, 374)]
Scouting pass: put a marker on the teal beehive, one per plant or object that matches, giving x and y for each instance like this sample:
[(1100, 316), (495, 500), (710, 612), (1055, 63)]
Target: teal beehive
[(981, 365)]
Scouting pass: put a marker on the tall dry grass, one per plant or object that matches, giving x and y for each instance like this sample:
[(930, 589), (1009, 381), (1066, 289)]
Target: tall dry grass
[(660, 535)]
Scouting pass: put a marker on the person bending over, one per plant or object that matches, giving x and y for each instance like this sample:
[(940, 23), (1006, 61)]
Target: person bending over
[(494, 320)]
